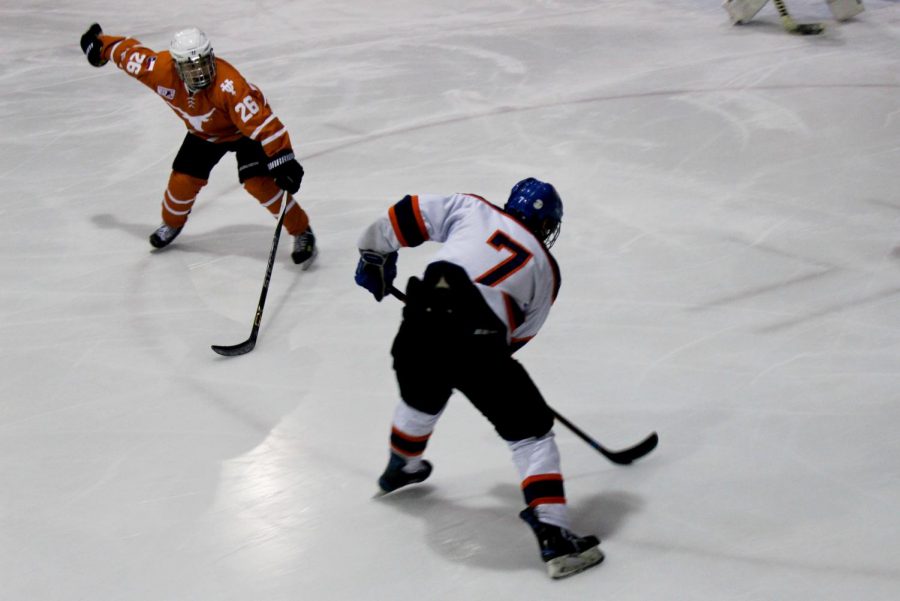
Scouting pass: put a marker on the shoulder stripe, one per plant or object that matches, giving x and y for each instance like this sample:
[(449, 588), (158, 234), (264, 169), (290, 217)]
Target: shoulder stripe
[(407, 221)]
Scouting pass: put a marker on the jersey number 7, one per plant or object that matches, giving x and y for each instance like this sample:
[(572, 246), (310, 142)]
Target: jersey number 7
[(518, 258)]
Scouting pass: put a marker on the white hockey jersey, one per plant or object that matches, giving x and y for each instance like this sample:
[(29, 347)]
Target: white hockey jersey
[(517, 276)]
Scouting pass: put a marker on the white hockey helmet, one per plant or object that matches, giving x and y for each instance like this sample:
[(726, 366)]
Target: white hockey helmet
[(194, 58)]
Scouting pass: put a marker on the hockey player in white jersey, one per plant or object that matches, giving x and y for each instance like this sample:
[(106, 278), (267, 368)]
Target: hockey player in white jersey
[(486, 292)]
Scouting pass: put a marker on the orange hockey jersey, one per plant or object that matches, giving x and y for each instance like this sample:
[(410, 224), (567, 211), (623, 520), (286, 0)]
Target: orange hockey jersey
[(224, 111)]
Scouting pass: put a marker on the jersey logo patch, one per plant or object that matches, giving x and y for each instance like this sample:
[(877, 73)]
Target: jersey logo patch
[(196, 121), (227, 87), (167, 93)]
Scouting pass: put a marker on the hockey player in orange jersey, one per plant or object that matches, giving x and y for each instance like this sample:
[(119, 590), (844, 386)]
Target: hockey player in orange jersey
[(223, 113)]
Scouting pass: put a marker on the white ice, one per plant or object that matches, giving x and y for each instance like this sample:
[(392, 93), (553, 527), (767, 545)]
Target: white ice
[(731, 279)]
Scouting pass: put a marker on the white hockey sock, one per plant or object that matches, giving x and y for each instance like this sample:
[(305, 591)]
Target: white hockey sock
[(554, 513), (409, 435), (538, 459)]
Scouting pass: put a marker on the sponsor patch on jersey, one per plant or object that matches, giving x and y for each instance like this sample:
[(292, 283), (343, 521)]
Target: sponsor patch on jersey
[(165, 92)]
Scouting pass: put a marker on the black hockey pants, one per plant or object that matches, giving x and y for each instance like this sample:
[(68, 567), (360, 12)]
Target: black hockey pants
[(450, 339)]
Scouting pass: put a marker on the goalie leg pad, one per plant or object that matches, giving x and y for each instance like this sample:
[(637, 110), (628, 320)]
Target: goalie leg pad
[(742, 11), (845, 9)]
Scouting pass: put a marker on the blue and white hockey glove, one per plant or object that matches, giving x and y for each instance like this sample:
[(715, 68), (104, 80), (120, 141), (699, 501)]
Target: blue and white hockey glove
[(376, 272)]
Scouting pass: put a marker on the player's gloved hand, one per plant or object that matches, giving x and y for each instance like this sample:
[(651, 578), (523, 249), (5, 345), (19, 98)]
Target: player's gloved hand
[(376, 272), (92, 46), (286, 170)]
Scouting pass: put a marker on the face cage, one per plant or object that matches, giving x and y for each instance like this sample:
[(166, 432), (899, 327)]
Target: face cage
[(197, 73), (551, 232)]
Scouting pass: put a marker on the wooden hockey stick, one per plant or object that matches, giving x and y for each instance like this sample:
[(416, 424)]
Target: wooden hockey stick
[(621, 457), (792, 26), (249, 344)]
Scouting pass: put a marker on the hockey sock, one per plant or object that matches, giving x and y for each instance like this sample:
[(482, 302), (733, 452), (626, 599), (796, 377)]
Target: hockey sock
[(410, 432), (538, 462), (179, 198), (269, 195)]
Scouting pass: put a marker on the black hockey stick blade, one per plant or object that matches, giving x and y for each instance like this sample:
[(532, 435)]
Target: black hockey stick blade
[(236, 349), (626, 456), (792, 26), (807, 28), (622, 457)]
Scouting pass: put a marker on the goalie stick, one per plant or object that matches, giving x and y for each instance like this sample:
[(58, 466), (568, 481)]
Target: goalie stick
[(246, 346), (621, 457), (792, 26)]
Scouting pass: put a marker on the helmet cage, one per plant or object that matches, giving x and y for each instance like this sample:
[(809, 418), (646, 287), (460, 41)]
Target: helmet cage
[(194, 58), (549, 231), (197, 73)]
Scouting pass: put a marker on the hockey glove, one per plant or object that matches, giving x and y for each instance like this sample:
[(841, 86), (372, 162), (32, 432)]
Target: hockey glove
[(92, 46), (376, 272), (286, 170)]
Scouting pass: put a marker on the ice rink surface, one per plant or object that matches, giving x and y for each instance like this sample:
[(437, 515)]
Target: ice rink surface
[(731, 279)]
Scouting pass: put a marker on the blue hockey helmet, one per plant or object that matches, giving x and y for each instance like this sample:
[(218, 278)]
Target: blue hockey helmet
[(538, 206)]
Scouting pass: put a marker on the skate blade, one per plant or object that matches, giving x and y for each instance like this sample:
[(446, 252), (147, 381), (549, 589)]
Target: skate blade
[(567, 565)]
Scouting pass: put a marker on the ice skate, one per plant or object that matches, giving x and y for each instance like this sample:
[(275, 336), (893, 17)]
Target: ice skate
[(563, 552), (395, 477), (164, 235), (305, 251)]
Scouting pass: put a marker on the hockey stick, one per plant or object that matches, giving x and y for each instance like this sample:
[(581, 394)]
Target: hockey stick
[(400, 296), (622, 457), (792, 26), (247, 345)]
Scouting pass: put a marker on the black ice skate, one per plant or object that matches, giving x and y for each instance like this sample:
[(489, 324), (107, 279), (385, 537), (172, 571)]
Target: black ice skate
[(164, 235), (394, 477), (305, 251), (563, 552)]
